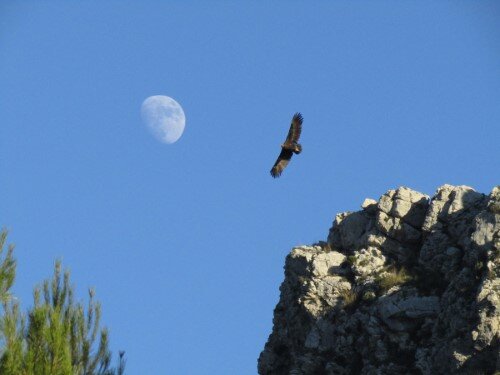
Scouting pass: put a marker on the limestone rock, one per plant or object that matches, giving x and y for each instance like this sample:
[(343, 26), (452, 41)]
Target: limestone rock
[(369, 205), (345, 307), (405, 204), (401, 311), (366, 264), (494, 202)]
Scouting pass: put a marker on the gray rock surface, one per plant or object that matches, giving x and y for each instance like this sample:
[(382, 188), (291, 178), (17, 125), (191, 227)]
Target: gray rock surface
[(407, 285)]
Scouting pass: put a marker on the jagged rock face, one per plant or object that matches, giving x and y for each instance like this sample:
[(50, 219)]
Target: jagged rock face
[(407, 285)]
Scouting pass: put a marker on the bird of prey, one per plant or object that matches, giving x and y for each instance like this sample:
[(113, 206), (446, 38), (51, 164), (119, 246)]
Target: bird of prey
[(290, 146)]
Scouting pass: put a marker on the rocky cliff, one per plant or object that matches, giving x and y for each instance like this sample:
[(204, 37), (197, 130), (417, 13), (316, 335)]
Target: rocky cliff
[(408, 285)]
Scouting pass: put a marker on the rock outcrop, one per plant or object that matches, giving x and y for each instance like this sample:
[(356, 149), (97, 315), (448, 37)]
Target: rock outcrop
[(407, 285)]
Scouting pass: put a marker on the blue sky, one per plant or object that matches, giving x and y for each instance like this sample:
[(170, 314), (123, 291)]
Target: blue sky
[(185, 243)]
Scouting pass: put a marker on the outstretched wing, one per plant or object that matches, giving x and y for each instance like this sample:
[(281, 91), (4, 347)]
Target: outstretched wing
[(295, 129), (281, 162)]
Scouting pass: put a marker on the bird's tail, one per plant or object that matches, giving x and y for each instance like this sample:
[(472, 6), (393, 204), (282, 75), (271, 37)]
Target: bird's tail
[(298, 149)]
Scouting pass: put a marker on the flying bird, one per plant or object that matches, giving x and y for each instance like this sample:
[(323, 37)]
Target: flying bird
[(290, 146)]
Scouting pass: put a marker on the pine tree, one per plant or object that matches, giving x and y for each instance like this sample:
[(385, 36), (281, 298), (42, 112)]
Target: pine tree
[(11, 339), (7, 268), (58, 336)]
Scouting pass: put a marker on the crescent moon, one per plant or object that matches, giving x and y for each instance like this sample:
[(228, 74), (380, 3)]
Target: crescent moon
[(164, 117)]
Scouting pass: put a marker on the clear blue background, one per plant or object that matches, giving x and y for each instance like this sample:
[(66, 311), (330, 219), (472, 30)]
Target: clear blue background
[(185, 243)]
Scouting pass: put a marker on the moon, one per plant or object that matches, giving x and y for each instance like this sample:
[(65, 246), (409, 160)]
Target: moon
[(164, 117)]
